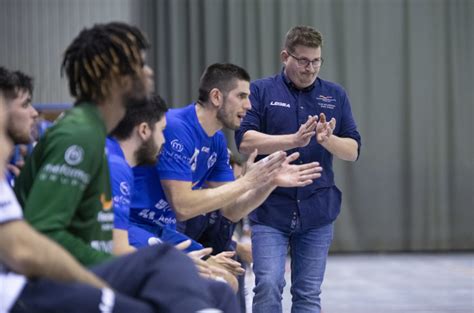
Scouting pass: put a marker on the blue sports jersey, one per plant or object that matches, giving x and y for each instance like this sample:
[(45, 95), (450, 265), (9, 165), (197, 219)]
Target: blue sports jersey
[(121, 177), (189, 154), (121, 180)]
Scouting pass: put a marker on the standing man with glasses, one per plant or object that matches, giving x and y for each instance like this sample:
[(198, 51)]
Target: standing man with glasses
[(297, 111)]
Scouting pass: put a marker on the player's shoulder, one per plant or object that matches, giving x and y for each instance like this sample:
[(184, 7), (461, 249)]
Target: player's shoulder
[(181, 122), (220, 140), (78, 127), (219, 136)]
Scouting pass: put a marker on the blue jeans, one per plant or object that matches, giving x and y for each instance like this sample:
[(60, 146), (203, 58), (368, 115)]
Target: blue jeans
[(308, 251)]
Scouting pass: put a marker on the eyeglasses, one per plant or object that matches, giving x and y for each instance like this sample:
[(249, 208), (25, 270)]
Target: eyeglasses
[(304, 62)]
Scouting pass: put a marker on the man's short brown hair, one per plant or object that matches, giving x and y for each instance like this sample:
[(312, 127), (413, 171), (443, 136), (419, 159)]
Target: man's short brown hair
[(303, 36)]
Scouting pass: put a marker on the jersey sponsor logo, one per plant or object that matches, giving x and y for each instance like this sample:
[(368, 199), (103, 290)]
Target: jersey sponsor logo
[(74, 155), (105, 217), (106, 220), (167, 220), (106, 203), (67, 174), (124, 188), (176, 145), (162, 205), (212, 160), (120, 201), (280, 104), (178, 157), (102, 245)]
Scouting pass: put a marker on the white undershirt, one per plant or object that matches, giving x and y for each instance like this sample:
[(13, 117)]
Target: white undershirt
[(11, 284)]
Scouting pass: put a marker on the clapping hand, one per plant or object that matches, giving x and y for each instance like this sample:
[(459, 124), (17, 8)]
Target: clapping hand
[(324, 129), (297, 175)]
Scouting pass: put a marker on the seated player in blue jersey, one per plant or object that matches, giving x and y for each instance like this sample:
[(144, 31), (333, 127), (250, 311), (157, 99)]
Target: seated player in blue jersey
[(137, 141)]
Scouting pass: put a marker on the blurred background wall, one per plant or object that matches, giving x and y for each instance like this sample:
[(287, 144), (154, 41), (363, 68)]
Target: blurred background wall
[(407, 66)]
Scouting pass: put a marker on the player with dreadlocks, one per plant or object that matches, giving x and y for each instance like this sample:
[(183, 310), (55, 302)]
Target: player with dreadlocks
[(64, 186), (113, 67), (118, 51)]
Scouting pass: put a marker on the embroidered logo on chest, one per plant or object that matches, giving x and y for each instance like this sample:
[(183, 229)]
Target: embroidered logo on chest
[(326, 102)]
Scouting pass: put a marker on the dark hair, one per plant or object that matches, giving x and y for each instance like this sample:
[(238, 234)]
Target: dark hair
[(148, 111), (221, 76), (98, 54), (13, 82), (303, 36)]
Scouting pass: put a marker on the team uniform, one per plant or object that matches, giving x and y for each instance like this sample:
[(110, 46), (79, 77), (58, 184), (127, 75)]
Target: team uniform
[(64, 188), (188, 154), (289, 216)]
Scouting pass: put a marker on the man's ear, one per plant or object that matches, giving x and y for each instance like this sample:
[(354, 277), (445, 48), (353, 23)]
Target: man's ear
[(216, 97), (284, 56), (143, 130)]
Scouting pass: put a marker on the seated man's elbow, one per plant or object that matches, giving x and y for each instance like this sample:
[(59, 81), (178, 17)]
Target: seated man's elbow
[(231, 216), (182, 213)]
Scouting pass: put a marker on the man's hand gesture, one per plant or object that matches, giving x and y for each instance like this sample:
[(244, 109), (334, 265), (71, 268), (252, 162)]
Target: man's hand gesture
[(324, 129), (306, 132), (297, 175)]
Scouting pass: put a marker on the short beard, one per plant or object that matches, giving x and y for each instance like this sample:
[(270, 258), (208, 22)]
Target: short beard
[(224, 118), (147, 154), (17, 139)]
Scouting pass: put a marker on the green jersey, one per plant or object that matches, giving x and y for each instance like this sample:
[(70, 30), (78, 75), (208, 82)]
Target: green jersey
[(64, 187)]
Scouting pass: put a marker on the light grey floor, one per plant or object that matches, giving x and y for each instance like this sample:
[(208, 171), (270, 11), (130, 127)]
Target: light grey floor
[(393, 283)]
